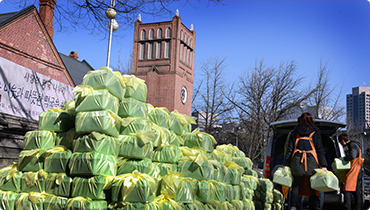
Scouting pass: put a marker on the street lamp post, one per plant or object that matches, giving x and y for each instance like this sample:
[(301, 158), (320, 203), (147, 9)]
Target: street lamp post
[(113, 25)]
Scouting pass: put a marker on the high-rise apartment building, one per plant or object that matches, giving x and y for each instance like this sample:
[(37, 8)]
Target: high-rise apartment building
[(163, 56), (358, 108)]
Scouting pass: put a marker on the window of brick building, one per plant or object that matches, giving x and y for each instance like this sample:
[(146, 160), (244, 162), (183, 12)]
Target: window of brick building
[(168, 32), (150, 50), (143, 35), (159, 33), (167, 50), (159, 49), (142, 51), (151, 34)]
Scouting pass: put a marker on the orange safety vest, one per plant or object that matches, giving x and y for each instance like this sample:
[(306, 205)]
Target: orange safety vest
[(350, 179)]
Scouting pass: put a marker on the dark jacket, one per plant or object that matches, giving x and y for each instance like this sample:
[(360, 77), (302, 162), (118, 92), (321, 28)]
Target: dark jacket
[(353, 151), (296, 165)]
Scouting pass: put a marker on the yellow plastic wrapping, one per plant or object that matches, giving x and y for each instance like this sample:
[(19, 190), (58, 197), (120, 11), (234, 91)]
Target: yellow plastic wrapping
[(166, 203), (92, 187), (56, 119), (10, 178), (176, 187), (324, 181), (97, 142), (248, 204), (58, 184), (214, 205), (167, 154), (38, 140), (100, 121), (196, 167), (160, 116), (199, 139), (339, 165), (8, 200), (81, 203), (92, 164), (134, 124), (184, 120), (235, 172), (31, 160), (283, 176), (57, 159), (34, 181), (135, 87), (205, 191), (227, 206), (162, 135), (230, 149), (136, 145), (221, 157), (237, 204)]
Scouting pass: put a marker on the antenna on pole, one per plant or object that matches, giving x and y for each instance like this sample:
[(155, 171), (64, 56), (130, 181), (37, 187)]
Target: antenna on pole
[(111, 13)]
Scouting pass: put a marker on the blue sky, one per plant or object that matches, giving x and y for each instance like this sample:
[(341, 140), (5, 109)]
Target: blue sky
[(244, 31)]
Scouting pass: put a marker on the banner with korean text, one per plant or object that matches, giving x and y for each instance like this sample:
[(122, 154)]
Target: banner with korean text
[(26, 93)]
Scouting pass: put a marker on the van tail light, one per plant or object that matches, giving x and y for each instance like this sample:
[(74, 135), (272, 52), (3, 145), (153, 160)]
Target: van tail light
[(267, 167)]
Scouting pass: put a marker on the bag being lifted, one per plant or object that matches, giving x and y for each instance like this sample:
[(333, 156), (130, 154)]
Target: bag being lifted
[(324, 181)]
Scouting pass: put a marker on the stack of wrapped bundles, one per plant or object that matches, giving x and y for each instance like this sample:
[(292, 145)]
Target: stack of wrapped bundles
[(109, 149)]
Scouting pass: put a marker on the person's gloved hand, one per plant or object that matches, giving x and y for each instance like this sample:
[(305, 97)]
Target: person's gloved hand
[(324, 168)]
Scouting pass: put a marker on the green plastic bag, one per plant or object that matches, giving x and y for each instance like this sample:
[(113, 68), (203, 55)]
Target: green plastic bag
[(237, 204), (185, 121), (252, 173), (214, 205), (339, 165), (160, 116), (57, 160), (100, 121), (164, 168), (265, 185), (70, 107), (175, 139), (32, 200), (31, 160), (131, 107), (175, 125), (97, 142), (221, 156), (38, 140), (227, 206), (162, 136), (283, 176), (237, 190), (196, 167), (66, 138), (166, 203), (126, 166), (229, 192), (267, 197), (134, 187), (56, 119), (136, 145), (278, 197), (235, 172), (34, 181), (133, 206), (92, 187), (248, 204), (176, 187), (205, 191), (249, 194), (105, 78), (277, 206), (167, 154), (135, 87), (58, 184), (220, 190), (89, 99), (199, 139), (250, 182), (10, 178), (243, 191), (79, 203), (55, 203), (8, 200), (134, 124), (244, 162), (196, 205), (92, 164), (324, 181)]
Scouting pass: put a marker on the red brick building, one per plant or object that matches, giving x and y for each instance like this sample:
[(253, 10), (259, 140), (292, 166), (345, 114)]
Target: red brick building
[(163, 56)]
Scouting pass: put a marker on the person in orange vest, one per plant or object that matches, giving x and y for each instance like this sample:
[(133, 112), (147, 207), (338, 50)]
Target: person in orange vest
[(304, 154), (353, 175)]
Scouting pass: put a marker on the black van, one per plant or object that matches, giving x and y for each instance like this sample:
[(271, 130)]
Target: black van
[(274, 156)]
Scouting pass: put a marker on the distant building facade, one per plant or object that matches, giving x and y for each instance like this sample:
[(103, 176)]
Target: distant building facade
[(163, 56), (358, 108)]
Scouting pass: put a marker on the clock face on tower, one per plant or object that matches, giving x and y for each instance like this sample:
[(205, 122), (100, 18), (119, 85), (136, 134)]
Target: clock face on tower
[(184, 94)]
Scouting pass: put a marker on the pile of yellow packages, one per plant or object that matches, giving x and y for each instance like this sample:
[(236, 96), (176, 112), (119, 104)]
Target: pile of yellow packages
[(109, 149)]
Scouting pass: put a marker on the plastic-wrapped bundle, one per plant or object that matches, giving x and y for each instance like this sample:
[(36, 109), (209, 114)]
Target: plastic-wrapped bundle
[(237, 190), (136, 145), (283, 176), (97, 142), (126, 166), (178, 188), (31, 160), (133, 206), (231, 150), (135, 87), (229, 192), (159, 115), (56, 119), (184, 120), (227, 206), (250, 182), (162, 135), (324, 181), (58, 184), (339, 165), (38, 140), (248, 204), (57, 159), (32, 200), (8, 199), (220, 190), (66, 138), (105, 78), (164, 168), (278, 206), (267, 197), (235, 172), (87, 99), (249, 194), (238, 204), (256, 195), (218, 174), (243, 191), (70, 107), (262, 206), (186, 151), (131, 107), (10, 178), (92, 164), (244, 162), (79, 203), (55, 203), (278, 197), (214, 205), (196, 205), (101, 121), (265, 185), (167, 154), (33, 181), (92, 187), (175, 125), (196, 167), (166, 203), (134, 124), (134, 187), (175, 139), (252, 173), (221, 156), (199, 139)]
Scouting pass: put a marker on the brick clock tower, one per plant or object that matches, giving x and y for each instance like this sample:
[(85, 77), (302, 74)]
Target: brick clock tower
[(163, 56)]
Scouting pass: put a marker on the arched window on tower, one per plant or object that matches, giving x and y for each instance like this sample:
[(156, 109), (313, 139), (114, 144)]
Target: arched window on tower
[(191, 43), (150, 50), (181, 38), (167, 49), (159, 33), (159, 50), (151, 34), (190, 58), (143, 34), (142, 51), (168, 32), (181, 46)]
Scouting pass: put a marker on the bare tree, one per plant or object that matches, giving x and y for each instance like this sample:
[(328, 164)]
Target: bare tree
[(123, 66), (209, 98), (325, 102), (264, 96)]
